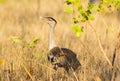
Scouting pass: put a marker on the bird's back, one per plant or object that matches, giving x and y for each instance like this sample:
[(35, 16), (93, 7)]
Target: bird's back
[(71, 58)]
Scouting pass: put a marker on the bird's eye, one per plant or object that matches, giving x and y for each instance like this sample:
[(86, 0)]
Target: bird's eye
[(52, 58)]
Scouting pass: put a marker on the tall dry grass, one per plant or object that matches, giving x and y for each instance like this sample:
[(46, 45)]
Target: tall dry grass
[(20, 62)]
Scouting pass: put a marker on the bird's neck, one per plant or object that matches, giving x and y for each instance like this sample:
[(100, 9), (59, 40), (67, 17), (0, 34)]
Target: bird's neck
[(51, 38)]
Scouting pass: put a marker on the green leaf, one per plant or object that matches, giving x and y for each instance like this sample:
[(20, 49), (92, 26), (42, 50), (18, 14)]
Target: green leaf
[(106, 1), (90, 6), (68, 10), (84, 18), (88, 12), (39, 55), (111, 30), (15, 39), (100, 8), (69, 2), (76, 2), (80, 10), (75, 21), (33, 42), (91, 18), (78, 30)]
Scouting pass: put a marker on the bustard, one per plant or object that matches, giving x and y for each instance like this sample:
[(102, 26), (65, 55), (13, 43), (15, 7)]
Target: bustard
[(60, 57)]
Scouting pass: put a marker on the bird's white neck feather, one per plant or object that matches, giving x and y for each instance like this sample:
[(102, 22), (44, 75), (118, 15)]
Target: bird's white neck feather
[(51, 39)]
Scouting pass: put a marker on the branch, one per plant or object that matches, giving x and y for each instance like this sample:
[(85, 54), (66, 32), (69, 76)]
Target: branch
[(99, 43), (115, 58), (27, 71)]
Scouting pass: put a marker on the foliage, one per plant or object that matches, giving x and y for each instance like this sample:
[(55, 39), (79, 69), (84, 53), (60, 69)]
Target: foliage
[(33, 42), (15, 39), (84, 14), (77, 29), (111, 30), (68, 10)]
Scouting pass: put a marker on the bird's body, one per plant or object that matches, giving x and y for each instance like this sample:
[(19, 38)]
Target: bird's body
[(64, 58), (60, 57)]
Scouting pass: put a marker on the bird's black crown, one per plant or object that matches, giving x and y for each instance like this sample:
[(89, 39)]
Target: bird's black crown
[(51, 19)]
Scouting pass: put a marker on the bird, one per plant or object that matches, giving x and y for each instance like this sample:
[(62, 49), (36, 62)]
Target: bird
[(58, 56)]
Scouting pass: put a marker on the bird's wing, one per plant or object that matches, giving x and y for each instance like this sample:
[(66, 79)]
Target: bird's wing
[(68, 52), (57, 51)]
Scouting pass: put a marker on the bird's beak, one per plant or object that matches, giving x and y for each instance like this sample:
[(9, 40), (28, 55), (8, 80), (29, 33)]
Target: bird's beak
[(55, 62), (43, 18)]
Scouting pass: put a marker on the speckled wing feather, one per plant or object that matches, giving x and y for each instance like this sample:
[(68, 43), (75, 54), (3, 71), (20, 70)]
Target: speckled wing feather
[(71, 58), (65, 58)]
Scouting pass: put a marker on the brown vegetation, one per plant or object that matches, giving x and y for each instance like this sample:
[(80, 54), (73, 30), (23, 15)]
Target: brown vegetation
[(22, 61)]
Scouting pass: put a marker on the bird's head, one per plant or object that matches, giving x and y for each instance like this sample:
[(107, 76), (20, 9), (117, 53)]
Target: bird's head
[(54, 62), (52, 59), (51, 21)]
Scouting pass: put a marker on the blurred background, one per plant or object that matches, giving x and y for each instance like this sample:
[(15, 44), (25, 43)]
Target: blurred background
[(24, 41)]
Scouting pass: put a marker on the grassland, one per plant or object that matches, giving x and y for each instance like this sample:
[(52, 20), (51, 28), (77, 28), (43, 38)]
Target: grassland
[(22, 59)]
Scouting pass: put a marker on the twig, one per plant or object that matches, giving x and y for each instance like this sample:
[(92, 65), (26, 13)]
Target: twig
[(115, 58), (74, 74), (47, 67), (99, 42), (98, 39), (38, 8), (114, 65), (51, 69), (27, 71)]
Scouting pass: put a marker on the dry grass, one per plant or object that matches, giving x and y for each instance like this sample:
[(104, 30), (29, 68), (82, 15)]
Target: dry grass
[(19, 62)]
